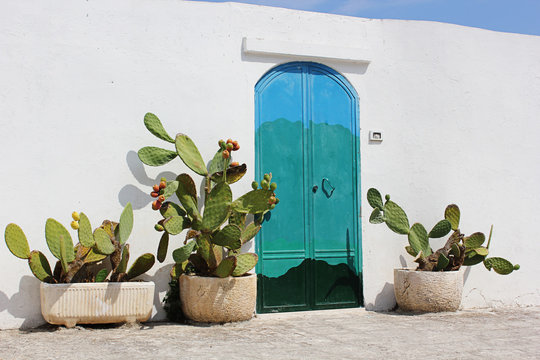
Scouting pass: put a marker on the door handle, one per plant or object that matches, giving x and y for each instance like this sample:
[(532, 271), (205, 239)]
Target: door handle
[(328, 193)]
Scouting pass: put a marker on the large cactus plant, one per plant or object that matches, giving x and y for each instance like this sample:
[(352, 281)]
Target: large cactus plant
[(459, 249), (214, 235), (95, 247)]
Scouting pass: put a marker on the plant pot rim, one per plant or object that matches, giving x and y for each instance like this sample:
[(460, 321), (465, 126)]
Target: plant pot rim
[(100, 284), (245, 276), (432, 272)]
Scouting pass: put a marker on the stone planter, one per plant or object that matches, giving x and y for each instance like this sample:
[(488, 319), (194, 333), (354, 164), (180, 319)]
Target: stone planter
[(426, 291), (218, 300), (96, 303)]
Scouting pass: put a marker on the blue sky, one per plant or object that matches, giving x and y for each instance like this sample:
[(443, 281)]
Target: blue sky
[(518, 16)]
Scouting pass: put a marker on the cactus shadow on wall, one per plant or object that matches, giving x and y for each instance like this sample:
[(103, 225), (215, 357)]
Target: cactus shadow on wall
[(133, 193), (161, 278), (26, 303), (4, 301)]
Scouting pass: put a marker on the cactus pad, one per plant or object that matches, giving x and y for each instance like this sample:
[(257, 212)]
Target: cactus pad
[(93, 256), (228, 237), (187, 194), (474, 240), (153, 124), (249, 232), (40, 266), (16, 241), (204, 249), (217, 207), (442, 228), (189, 154), (226, 267), (376, 216), (126, 224), (122, 265), (472, 259), (481, 251), (63, 254), (237, 218), (182, 254), (103, 242), (411, 251), (174, 225), (234, 174), (500, 265), (171, 209), (442, 262), (455, 250), (375, 199), (170, 189), (154, 156), (253, 202), (395, 218), (418, 239), (162, 247), (86, 237), (101, 275), (218, 163), (452, 214), (245, 262), (53, 231), (141, 265)]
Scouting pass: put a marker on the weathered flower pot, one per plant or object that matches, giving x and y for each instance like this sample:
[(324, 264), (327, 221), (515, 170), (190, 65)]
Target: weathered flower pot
[(427, 291), (218, 300), (96, 303)]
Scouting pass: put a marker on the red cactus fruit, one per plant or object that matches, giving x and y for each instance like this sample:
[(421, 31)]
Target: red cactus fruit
[(161, 198), (234, 163), (156, 188), (229, 141), (225, 154), (156, 205), (154, 194), (163, 185)]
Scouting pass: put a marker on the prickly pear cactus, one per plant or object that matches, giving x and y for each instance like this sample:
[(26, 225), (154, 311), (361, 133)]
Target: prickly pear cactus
[(76, 263), (214, 238), (459, 250)]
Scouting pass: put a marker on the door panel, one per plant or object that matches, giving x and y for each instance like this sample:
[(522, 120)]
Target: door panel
[(306, 135), (333, 229)]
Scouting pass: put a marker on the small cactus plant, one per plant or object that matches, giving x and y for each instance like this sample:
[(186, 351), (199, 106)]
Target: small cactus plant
[(215, 236), (459, 249), (74, 264)]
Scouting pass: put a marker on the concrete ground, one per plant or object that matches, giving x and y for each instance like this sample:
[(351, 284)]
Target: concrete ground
[(330, 334)]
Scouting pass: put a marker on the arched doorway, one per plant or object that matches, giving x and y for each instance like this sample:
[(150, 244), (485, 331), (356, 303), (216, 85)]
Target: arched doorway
[(307, 135)]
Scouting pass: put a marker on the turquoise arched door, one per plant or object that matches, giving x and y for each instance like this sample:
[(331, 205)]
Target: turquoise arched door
[(307, 137)]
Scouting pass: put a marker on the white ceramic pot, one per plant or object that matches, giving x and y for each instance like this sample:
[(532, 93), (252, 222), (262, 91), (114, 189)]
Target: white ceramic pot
[(96, 303), (428, 291), (218, 300)]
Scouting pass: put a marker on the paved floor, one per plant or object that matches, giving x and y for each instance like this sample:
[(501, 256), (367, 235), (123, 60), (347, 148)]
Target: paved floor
[(332, 334)]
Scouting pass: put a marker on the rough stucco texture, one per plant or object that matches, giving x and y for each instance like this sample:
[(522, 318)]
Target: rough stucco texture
[(458, 108), (217, 300), (427, 291)]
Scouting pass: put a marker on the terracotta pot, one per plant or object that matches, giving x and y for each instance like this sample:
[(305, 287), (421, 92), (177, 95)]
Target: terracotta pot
[(96, 303), (428, 291), (218, 300)]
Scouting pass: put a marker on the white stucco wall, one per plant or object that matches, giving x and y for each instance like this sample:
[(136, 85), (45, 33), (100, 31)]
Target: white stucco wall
[(459, 108)]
